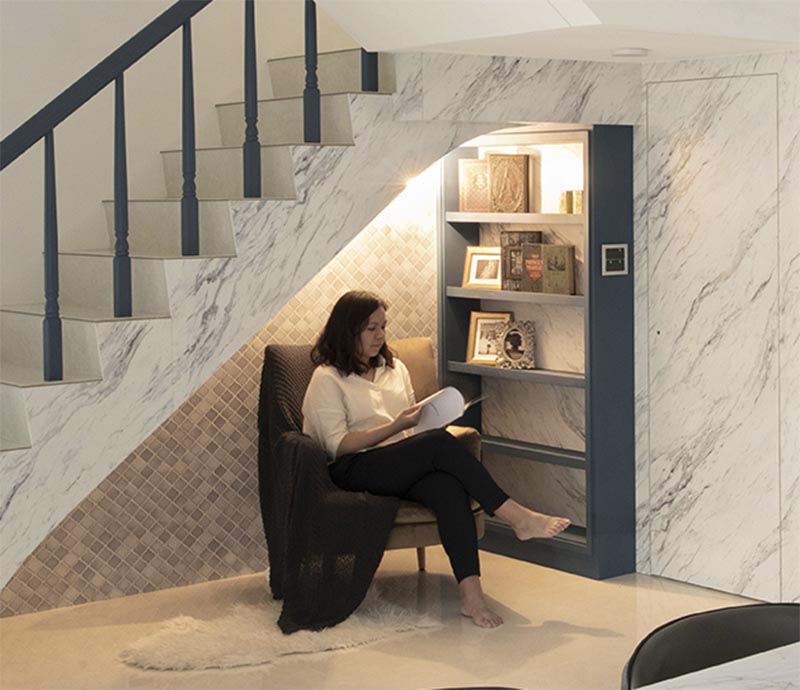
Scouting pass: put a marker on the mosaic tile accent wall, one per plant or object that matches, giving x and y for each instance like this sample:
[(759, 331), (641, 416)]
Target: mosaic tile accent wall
[(183, 508)]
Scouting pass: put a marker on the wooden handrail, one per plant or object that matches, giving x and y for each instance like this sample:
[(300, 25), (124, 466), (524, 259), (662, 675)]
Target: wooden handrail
[(96, 79)]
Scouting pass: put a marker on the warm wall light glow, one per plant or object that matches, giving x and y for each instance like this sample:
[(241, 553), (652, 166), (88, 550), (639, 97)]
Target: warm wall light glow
[(429, 176), (562, 169), (416, 203)]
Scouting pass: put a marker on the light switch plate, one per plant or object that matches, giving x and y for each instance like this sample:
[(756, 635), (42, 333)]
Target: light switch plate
[(614, 259)]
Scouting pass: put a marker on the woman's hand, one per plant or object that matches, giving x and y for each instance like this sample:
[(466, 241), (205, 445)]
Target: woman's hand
[(408, 418), (359, 440)]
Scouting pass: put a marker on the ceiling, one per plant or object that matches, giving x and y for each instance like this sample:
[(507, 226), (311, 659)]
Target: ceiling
[(572, 29)]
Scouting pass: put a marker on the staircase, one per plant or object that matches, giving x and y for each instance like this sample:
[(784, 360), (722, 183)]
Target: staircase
[(122, 377)]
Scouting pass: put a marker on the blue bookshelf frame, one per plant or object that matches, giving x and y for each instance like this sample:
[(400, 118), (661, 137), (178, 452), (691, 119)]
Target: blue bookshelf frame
[(606, 547)]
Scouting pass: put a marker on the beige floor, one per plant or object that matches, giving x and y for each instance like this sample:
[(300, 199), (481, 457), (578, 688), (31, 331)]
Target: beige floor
[(561, 631)]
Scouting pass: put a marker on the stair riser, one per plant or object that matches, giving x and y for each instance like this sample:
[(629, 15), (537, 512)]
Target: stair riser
[(155, 227), (220, 173), (281, 122), (21, 345), (89, 281), (14, 430), (337, 72)]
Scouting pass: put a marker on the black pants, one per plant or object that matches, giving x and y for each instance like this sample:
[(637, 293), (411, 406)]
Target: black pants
[(435, 469)]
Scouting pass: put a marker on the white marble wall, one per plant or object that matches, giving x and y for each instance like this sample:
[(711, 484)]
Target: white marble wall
[(717, 402), (81, 432), (691, 485), (476, 88)]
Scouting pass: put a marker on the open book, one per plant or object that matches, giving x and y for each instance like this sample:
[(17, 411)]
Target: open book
[(442, 408)]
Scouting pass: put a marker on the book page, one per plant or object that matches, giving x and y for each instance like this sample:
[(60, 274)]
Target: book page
[(440, 409)]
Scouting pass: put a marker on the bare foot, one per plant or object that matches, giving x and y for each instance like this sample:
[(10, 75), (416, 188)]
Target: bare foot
[(539, 525), (473, 604), (480, 613)]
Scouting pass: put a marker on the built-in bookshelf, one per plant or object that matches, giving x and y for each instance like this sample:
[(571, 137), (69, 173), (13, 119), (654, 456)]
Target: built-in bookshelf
[(604, 544)]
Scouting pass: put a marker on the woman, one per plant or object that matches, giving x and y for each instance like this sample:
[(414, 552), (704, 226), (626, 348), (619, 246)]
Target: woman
[(360, 407)]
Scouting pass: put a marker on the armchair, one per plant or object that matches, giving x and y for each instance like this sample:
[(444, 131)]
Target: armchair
[(324, 543)]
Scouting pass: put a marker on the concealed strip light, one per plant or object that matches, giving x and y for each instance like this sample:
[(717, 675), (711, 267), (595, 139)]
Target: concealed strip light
[(630, 52)]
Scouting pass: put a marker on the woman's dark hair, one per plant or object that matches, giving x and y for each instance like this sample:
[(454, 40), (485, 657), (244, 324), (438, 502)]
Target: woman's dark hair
[(336, 344)]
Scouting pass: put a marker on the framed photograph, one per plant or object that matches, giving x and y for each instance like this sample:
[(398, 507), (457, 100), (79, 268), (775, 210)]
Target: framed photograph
[(516, 344), (484, 327), (482, 268)]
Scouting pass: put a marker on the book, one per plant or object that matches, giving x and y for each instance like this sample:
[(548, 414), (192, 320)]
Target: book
[(443, 408), (532, 267), (508, 181), (558, 262), (473, 185), (511, 242)]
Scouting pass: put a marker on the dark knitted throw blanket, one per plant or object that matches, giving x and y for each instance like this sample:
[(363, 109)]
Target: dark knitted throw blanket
[(324, 543)]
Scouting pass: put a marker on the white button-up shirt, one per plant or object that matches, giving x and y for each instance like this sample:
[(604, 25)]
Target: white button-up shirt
[(335, 405)]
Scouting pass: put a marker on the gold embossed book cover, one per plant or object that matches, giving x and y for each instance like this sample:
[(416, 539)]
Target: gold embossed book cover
[(473, 185), (508, 179)]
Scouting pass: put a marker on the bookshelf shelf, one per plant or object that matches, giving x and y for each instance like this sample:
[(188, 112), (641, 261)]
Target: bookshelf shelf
[(511, 296), (535, 452), (544, 218), (558, 378)]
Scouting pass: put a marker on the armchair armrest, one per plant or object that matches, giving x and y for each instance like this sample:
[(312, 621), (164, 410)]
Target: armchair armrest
[(469, 437)]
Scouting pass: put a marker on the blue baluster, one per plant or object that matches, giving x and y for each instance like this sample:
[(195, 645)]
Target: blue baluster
[(311, 99), (123, 303), (251, 148), (369, 71), (51, 328), (190, 234)]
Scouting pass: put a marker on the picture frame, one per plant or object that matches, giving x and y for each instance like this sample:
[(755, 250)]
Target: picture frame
[(484, 327), (516, 345), (482, 268)]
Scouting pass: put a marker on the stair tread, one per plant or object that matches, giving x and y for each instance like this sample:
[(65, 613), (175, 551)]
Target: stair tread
[(322, 95), (26, 377), (77, 312), (108, 252)]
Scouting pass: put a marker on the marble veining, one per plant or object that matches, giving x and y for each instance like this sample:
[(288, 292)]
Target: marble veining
[(789, 297), (471, 87), (81, 432), (713, 321), (547, 488), (408, 72), (535, 413), (700, 449)]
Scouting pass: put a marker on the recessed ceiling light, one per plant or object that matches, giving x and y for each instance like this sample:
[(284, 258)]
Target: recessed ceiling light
[(630, 52)]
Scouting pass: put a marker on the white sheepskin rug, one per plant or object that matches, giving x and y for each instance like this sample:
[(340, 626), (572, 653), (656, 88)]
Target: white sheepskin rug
[(249, 634)]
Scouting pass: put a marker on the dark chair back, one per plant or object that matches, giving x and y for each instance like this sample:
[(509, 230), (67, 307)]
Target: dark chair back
[(709, 638), (286, 374)]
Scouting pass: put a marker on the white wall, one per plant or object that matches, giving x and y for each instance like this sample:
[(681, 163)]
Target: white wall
[(46, 45), (718, 326)]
